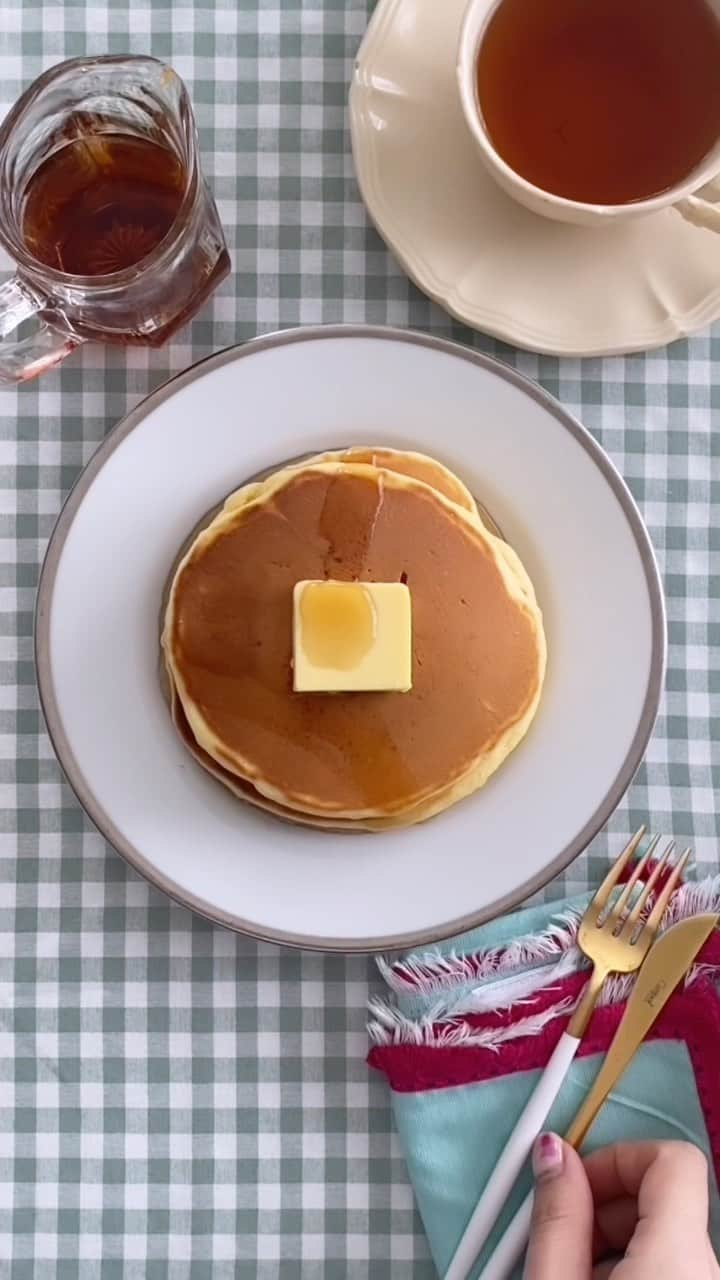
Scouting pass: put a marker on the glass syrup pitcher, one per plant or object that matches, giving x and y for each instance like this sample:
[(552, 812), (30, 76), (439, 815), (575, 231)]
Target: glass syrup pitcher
[(105, 211)]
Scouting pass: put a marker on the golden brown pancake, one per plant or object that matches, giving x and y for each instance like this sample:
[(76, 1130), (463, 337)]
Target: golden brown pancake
[(478, 646), (429, 471)]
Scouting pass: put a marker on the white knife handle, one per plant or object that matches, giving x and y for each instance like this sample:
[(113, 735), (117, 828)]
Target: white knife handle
[(516, 1152), (509, 1249)]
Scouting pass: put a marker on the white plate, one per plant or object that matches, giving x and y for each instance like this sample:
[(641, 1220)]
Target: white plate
[(536, 283), (559, 502)]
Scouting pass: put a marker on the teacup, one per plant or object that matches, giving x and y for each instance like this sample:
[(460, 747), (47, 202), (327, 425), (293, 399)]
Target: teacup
[(683, 195)]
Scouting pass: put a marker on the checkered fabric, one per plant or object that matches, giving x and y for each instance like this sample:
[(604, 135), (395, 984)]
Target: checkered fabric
[(177, 1102)]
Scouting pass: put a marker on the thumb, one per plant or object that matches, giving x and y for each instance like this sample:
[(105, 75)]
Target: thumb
[(562, 1221)]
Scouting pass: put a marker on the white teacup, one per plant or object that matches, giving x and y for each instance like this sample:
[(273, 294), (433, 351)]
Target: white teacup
[(682, 196)]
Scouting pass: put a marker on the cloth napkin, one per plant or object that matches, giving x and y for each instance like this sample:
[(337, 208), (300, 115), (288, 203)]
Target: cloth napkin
[(467, 1027)]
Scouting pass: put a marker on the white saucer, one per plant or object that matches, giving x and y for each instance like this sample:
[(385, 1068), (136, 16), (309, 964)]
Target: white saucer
[(536, 283), (557, 499)]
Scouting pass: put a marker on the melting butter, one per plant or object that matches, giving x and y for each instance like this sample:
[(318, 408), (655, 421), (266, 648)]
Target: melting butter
[(339, 623)]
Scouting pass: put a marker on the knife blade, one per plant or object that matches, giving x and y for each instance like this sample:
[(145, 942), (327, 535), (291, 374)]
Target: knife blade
[(668, 960)]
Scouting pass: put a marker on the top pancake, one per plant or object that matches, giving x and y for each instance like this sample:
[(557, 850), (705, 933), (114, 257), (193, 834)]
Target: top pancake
[(418, 466), (406, 462), (478, 644)]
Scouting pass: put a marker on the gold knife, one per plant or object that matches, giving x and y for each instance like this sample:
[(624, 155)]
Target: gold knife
[(668, 960)]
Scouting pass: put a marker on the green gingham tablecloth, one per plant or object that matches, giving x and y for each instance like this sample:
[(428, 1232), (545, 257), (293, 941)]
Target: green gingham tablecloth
[(176, 1101)]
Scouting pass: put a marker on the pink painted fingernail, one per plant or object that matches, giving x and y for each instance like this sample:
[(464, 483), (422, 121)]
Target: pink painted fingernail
[(547, 1157)]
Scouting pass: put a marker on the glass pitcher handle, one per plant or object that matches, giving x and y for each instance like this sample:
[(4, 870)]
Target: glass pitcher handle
[(42, 349)]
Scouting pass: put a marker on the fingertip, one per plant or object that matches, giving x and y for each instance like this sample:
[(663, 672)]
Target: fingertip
[(548, 1156), (561, 1231)]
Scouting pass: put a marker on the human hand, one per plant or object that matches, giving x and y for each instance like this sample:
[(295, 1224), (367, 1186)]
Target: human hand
[(634, 1211)]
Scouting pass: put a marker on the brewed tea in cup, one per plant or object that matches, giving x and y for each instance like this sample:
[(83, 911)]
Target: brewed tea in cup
[(586, 110)]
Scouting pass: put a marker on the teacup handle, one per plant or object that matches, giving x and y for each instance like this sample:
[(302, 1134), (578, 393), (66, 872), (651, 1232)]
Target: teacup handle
[(702, 209), (42, 349)]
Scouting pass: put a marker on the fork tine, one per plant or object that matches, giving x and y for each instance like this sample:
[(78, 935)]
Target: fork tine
[(601, 897), (619, 905), (660, 865), (654, 920)]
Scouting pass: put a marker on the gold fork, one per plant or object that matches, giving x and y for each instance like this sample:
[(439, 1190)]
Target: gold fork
[(617, 939), (615, 934)]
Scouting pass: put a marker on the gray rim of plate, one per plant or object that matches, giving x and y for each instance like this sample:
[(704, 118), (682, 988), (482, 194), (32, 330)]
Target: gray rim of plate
[(134, 856)]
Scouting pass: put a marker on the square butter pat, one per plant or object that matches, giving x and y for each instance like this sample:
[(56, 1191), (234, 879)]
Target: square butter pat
[(350, 637)]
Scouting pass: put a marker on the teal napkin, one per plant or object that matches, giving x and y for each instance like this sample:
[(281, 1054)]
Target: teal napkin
[(467, 1026)]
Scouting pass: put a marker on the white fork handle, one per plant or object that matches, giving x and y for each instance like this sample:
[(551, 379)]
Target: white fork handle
[(508, 1250), (519, 1146)]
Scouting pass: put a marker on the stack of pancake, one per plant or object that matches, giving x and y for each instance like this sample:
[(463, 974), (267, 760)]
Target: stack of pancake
[(353, 760)]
